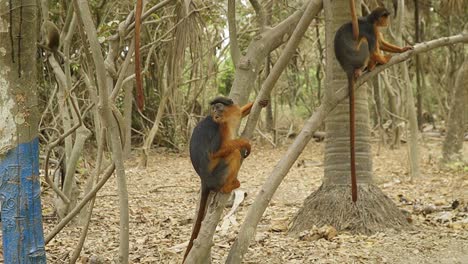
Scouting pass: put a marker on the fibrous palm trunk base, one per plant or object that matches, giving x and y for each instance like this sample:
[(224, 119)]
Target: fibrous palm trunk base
[(332, 205)]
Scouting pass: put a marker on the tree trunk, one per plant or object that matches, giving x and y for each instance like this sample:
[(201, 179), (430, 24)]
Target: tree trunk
[(331, 203), (413, 148), (23, 238), (456, 124)]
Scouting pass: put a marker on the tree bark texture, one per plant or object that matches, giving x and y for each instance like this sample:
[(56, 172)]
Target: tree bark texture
[(22, 234)]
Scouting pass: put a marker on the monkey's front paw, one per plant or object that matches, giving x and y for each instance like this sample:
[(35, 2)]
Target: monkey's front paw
[(408, 48), (263, 103), (245, 152)]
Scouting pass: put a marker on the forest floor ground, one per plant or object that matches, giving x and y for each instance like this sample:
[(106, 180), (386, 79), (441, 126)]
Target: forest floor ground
[(163, 199)]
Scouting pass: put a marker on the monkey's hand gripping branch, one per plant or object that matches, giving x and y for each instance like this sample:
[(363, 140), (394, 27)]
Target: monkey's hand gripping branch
[(229, 147)]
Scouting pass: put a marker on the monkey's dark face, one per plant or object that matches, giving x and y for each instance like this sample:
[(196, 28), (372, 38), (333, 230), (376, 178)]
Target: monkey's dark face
[(383, 21), (222, 113), (217, 111), (222, 108)]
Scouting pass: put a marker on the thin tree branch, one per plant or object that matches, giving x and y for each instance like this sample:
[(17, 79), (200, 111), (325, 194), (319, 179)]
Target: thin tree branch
[(107, 173)]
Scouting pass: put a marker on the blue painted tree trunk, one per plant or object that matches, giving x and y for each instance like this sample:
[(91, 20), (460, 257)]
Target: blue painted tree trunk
[(23, 238)]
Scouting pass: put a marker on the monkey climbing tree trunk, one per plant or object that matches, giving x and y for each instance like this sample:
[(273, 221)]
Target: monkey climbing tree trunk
[(331, 203), (23, 238)]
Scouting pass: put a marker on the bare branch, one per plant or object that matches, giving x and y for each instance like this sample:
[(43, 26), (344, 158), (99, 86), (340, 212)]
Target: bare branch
[(107, 173)]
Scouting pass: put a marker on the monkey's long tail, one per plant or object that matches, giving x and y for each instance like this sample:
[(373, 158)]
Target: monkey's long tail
[(201, 214), (352, 136)]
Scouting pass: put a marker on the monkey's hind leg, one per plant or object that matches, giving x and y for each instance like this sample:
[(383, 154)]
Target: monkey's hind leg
[(234, 161), (378, 58)]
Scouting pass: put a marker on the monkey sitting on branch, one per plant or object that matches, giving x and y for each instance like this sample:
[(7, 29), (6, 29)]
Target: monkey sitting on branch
[(357, 47), (216, 156)]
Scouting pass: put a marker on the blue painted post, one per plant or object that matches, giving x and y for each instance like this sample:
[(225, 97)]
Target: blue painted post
[(23, 238)]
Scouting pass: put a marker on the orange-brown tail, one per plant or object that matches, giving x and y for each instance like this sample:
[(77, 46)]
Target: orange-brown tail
[(352, 135), (201, 214)]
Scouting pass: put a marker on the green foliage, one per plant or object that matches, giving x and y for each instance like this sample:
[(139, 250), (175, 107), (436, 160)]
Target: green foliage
[(226, 77), (457, 166)]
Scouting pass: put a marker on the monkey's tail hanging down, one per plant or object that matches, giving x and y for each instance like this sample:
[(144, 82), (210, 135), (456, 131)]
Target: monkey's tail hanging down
[(201, 214), (352, 136), (352, 129)]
